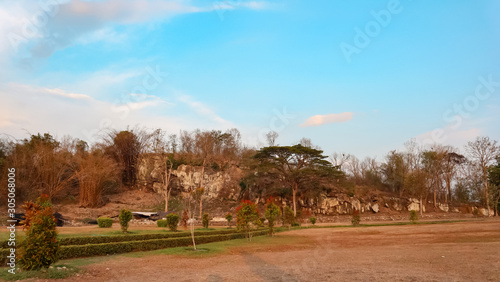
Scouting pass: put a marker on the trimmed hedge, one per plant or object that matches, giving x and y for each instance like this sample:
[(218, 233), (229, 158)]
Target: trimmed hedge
[(125, 238), (75, 251), (104, 222), (161, 223)]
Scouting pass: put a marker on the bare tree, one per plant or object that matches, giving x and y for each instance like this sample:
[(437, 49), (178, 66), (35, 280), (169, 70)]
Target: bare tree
[(95, 171), (482, 152), (160, 147), (339, 159), (271, 137)]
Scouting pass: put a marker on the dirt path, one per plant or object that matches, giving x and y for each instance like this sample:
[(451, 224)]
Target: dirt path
[(467, 251)]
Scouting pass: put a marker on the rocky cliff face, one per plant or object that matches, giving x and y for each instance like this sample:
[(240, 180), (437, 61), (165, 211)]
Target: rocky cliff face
[(224, 184), (217, 184)]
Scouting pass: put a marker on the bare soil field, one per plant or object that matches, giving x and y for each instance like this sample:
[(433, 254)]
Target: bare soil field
[(463, 251)]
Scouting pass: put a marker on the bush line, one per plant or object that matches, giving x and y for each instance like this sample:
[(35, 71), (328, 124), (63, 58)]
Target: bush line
[(124, 238), (76, 251)]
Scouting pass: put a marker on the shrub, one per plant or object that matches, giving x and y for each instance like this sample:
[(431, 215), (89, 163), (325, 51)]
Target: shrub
[(312, 219), (246, 214), (122, 238), (104, 222), (185, 218), (206, 220), (356, 219), (40, 247), (413, 216), (143, 245), (295, 224), (288, 216), (172, 221), (229, 218), (161, 223), (272, 213), (125, 217)]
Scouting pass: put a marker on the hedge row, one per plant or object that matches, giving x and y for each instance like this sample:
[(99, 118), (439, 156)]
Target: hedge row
[(124, 238), (75, 251)]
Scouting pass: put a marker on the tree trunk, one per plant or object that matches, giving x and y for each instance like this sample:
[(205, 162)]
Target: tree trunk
[(497, 202), (167, 197), (192, 233), (166, 184), (421, 206), (448, 188), (487, 194), (201, 186), (294, 192)]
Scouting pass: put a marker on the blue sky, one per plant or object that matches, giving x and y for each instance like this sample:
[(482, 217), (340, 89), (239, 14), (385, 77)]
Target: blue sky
[(360, 77)]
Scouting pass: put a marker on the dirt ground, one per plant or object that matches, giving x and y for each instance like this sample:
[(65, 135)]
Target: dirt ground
[(465, 251)]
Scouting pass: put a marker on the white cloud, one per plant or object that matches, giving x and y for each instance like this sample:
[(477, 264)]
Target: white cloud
[(39, 30), (202, 109), (30, 109), (325, 119), (456, 137), (62, 93)]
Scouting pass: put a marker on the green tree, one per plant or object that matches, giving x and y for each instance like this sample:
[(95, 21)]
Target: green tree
[(246, 216), (296, 166), (206, 220), (288, 217), (272, 213), (125, 216), (229, 218), (41, 245)]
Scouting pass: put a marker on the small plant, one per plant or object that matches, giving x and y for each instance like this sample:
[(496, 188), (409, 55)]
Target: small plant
[(229, 218), (104, 222), (161, 223), (413, 216), (246, 214), (172, 221), (272, 213), (125, 217), (40, 247), (312, 219), (356, 219), (295, 224), (288, 217), (206, 220)]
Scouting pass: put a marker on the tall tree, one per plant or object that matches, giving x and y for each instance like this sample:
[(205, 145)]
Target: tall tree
[(433, 165), (126, 147), (494, 179), (160, 147), (451, 163), (296, 166), (482, 152)]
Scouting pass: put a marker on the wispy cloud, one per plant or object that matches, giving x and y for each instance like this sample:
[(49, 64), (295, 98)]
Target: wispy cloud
[(202, 109), (449, 136), (63, 93), (27, 108), (83, 22), (318, 120)]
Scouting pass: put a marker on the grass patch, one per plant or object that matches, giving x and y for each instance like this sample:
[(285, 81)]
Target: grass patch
[(73, 266)]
